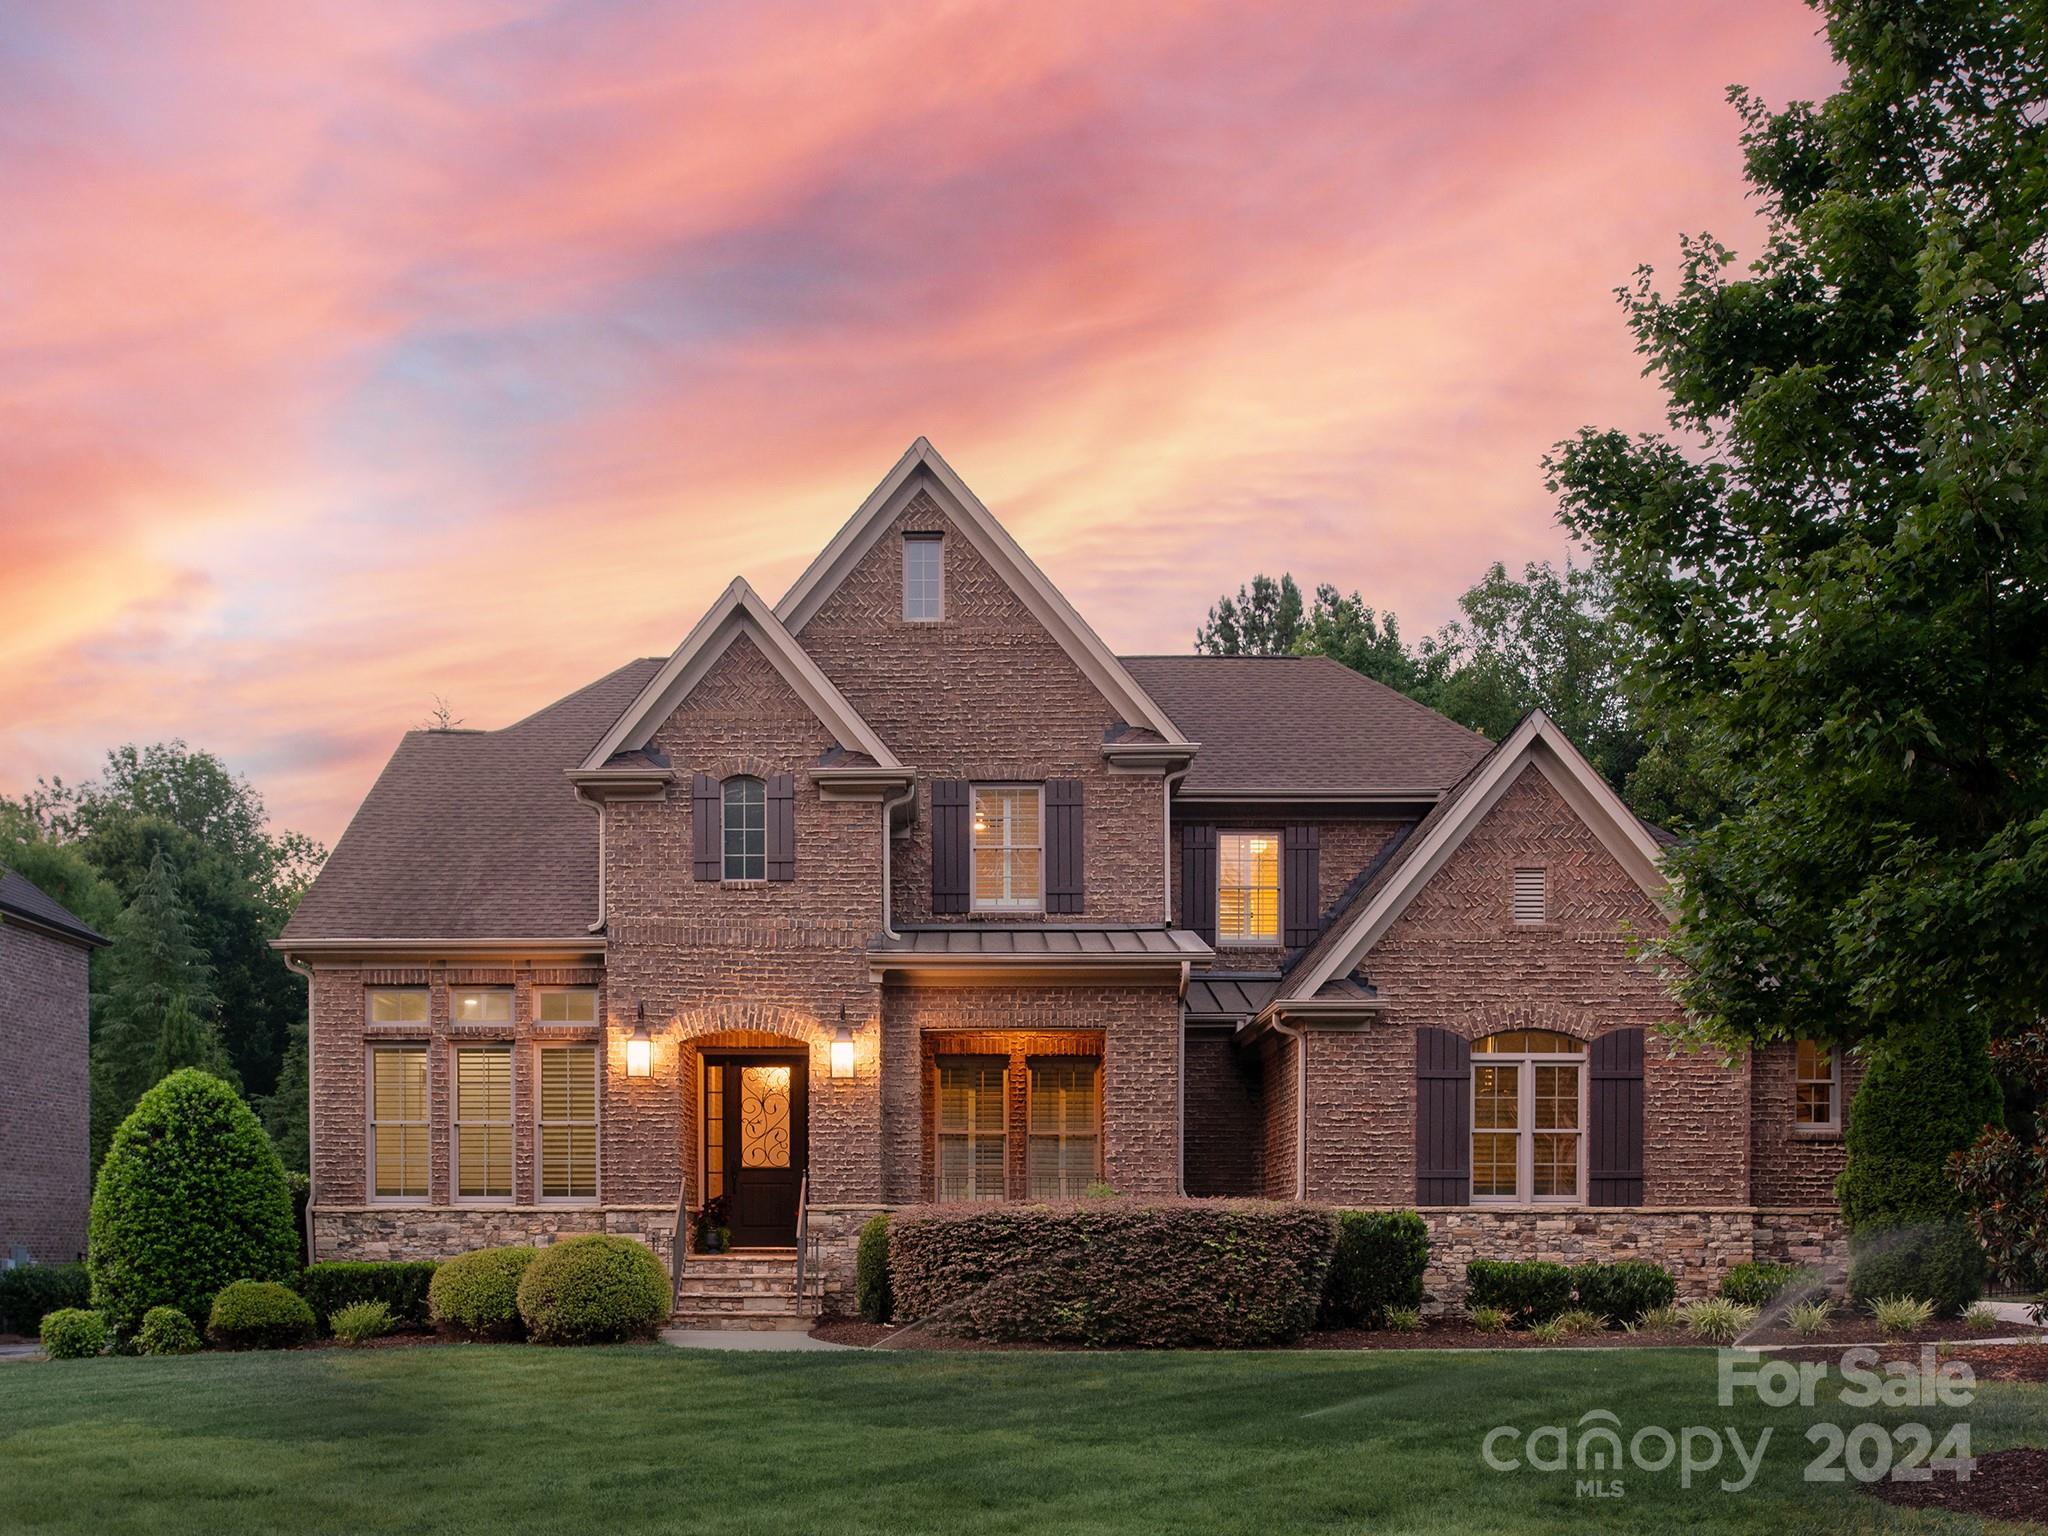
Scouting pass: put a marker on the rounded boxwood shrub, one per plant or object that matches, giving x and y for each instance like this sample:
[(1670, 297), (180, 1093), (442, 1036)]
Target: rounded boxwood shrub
[(1155, 1274), (166, 1331), (190, 1197), (595, 1289), (259, 1314), (1622, 1292), (1940, 1262), (1531, 1291), (28, 1291), (871, 1271), (1378, 1265), (478, 1293), (74, 1333)]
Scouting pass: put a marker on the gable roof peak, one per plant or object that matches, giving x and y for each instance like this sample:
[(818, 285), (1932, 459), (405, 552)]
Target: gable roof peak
[(923, 468)]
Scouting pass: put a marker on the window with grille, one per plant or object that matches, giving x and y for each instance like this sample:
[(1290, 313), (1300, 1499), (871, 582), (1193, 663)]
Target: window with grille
[(1248, 888), (398, 1122), (483, 1122), (565, 1005), (480, 1005), (1007, 852), (924, 577), (1532, 895), (1066, 1104), (746, 829), (971, 1128), (1816, 1086), (568, 1122), (398, 1005), (1528, 1134), (714, 1129)]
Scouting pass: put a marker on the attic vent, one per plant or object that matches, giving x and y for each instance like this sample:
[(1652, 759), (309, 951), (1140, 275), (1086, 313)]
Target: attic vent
[(1532, 889)]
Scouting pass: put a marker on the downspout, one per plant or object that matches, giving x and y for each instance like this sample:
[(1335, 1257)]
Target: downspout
[(597, 806), (889, 804), (1300, 1040), (1180, 1072), (300, 968), (1167, 782)]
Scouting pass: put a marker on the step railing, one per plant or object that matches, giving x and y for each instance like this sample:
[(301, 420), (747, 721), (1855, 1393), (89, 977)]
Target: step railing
[(676, 1246), (803, 1233)]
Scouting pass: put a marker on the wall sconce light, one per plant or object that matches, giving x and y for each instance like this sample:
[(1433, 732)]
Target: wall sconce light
[(842, 1048), (639, 1048)]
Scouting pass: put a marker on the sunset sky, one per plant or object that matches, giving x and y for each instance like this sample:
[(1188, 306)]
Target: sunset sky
[(352, 354)]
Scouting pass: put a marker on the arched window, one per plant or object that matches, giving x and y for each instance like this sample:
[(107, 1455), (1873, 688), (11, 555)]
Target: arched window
[(746, 829), (1528, 1117)]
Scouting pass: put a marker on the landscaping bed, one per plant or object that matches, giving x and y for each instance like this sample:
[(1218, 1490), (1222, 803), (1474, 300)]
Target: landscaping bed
[(2007, 1485)]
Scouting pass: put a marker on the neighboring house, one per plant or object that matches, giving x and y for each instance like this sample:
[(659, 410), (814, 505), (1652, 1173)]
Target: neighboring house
[(45, 1131), (906, 889)]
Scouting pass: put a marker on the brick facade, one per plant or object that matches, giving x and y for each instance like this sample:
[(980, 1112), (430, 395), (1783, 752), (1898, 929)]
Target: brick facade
[(44, 1130)]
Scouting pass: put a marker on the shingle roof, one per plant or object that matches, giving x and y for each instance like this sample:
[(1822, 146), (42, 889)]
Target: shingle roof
[(474, 834), (23, 898), (1302, 723)]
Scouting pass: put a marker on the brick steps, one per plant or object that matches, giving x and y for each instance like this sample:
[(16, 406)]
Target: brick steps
[(751, 1290)]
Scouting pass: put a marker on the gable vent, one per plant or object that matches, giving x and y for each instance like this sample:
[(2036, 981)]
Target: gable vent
[(1532, 889)]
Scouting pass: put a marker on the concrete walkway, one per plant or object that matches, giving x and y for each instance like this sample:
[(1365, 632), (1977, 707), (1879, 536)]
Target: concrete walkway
[(2012, 1311), (745, 1338)]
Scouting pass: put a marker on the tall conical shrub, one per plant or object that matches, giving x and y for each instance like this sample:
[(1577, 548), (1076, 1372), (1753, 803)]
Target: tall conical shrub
[(191, 1196)]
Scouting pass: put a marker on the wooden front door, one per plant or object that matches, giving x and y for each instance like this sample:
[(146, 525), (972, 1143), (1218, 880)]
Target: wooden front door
[(764, 1147)]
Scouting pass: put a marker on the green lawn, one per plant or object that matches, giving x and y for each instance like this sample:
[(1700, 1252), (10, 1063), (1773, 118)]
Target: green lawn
[(608, 1440)]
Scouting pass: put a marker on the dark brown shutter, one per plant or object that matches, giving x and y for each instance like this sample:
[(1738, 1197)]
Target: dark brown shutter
[(1198, 880), (781, 826), (1063, 867), (705, 817), (1443, 1118), (1615, 1155), (1300, 903), (950, 843)]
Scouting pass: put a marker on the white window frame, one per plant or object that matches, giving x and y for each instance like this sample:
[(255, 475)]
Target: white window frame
[(1833, 1124), (541, 1125), (936, 584), (1007, 848), (970, 1135), (371, 994), (456, 994), (1526, 1129), (540, 994), (725, 854), (1224, 838), (371, 1122), (509, 1124)]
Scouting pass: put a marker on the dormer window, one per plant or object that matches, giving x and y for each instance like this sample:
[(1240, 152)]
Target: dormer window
[(924, 578), (746, 829)]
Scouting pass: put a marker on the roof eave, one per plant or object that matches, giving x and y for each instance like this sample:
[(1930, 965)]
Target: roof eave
[(1149, 756), (579, 947), (861, 783), (82, 936), (1253, 794)]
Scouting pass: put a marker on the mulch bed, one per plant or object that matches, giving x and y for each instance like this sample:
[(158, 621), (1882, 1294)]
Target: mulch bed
[(2007, 1485), (2002, 1362)]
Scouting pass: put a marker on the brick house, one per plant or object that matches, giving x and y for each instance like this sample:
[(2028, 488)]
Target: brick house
[(905, 889), (45, 1132)]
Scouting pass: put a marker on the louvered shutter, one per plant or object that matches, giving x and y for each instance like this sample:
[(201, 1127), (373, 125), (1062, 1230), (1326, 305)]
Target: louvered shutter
[(1615, 1154), (1063, 866), (705, 816), (1198, 880), (1443, 1118), (950, 844), (1300, 905), (781, 826)]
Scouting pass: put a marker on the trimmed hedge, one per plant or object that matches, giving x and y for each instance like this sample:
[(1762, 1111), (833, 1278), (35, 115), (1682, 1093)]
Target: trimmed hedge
[(1131, 1272), (259, 1314), (29, 1291), (1941, 1262), (1378, 1264), (871, 1271), (594, 1289), (1529, 1291), (1757, 1282), (166, 1331), (73, 1333), (478, 1293), (401, 1286), (190, 1197), (1622, 1292)]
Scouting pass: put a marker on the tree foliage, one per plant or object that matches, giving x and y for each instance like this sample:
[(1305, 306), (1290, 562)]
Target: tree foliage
[(1835, 566), (2004, 1176)]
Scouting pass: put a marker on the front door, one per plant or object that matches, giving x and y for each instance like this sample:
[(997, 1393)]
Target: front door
[(764, 1147)]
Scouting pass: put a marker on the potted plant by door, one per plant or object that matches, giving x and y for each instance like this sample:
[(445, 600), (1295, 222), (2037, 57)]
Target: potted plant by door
[(713, 1235)]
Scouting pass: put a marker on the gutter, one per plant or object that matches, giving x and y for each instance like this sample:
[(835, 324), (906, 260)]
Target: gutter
[(889, 804)]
